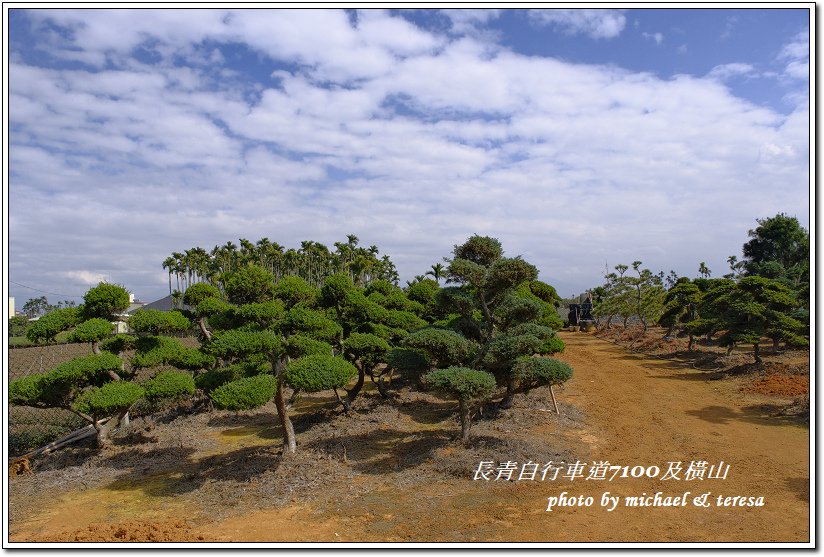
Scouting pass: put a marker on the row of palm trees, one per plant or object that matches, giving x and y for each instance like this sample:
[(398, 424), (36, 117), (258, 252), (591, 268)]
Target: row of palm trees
[(313, 262)]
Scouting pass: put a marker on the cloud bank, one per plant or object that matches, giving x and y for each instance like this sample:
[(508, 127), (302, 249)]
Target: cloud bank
[(150, 132)]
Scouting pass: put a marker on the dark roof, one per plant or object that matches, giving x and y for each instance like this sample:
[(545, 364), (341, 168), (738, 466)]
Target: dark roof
[(166, 304)]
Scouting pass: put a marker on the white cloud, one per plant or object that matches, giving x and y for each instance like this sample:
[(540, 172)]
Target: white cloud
[(85, 277), (112, 170), (727, 71), (597, 23), (657, 37)]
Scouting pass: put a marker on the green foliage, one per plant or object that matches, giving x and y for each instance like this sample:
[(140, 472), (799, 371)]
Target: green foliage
[(444, 347), (398, 319), (93, 330), (505, 349), (515, 309), (455, 299), (210, 306), (318, 373), (366, 348), (300, 319), (18, 326), (681, 304), (214, 378), (534, 372), (111, 398), (118, 343), (250, 284), (750, 309), (59, 386), (381, 286), (461, 383), (423, 292), (105, 301), (553, 345), (26, 391), (779, 240), (262, 313), (169, 385), (246, 393), (482, 250), (334, 290), (158, 322), (200, 292), (236, 343), (544, 292), (300, 345), (47, 327), (406, 360), (293, 290), (160, 350)]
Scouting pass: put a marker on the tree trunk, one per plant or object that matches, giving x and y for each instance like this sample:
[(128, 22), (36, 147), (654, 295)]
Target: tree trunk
[(691, 342), (729, 349), (465, 421), (104, 430), (96, 347), (757, 353), (776, 340), (289, 444), (669, 331), (206, 332), (506, 402), (352, 394)]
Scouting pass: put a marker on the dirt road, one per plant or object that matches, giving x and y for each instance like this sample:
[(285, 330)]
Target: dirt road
[(631, 412)]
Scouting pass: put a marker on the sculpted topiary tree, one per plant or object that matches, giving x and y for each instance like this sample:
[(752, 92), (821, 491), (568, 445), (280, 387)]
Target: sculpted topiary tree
[(535, 372), (464, 385), (681, 308), (498, 308), (753, 308), (267, 337)]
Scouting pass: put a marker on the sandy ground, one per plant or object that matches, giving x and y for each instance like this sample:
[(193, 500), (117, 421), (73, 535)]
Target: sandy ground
[(394, 473)]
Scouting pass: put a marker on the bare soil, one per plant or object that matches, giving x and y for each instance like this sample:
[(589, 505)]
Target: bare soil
[(394, 471)]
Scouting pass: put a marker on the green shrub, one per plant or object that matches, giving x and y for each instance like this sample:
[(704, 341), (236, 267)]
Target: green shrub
[(169, 385), (105, 300), (299, 346), (249, 285), (235, 343), (246, 393), (406, 360), (367, 348), (318, 373), (293, 290), (26, 391), (197, 293), (553, 345), (111, 398), (118, 343), (303, 320), (93, 330), (445, 347), (533, 372), (158, 322), (47, 327), (461, 383)]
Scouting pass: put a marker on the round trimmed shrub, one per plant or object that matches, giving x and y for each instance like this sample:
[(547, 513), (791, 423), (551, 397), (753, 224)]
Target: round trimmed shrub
[(158, 322), (299, 346), (319, 373), (445, 347), (236, 342), (199, 292), (406, 360), (542, 371), (118, 343), (93, 330), (169, 385), (109, 399), (461, 383), (105, 300), (553, 345), (26, 391), (47, 327), (246, 393)]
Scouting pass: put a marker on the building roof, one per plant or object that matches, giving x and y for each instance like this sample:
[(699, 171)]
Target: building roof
[(163, 304)]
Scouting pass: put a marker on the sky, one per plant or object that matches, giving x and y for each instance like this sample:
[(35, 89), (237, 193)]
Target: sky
[(581, 138)]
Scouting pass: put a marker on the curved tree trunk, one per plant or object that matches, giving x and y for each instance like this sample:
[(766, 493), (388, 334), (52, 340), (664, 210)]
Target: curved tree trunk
[(691, 342), (757, 353), (206, 332), (353, 393), (506, 402), (105, 430)]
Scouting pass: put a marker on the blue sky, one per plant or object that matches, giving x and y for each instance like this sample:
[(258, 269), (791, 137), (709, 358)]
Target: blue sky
[(578, 137)]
